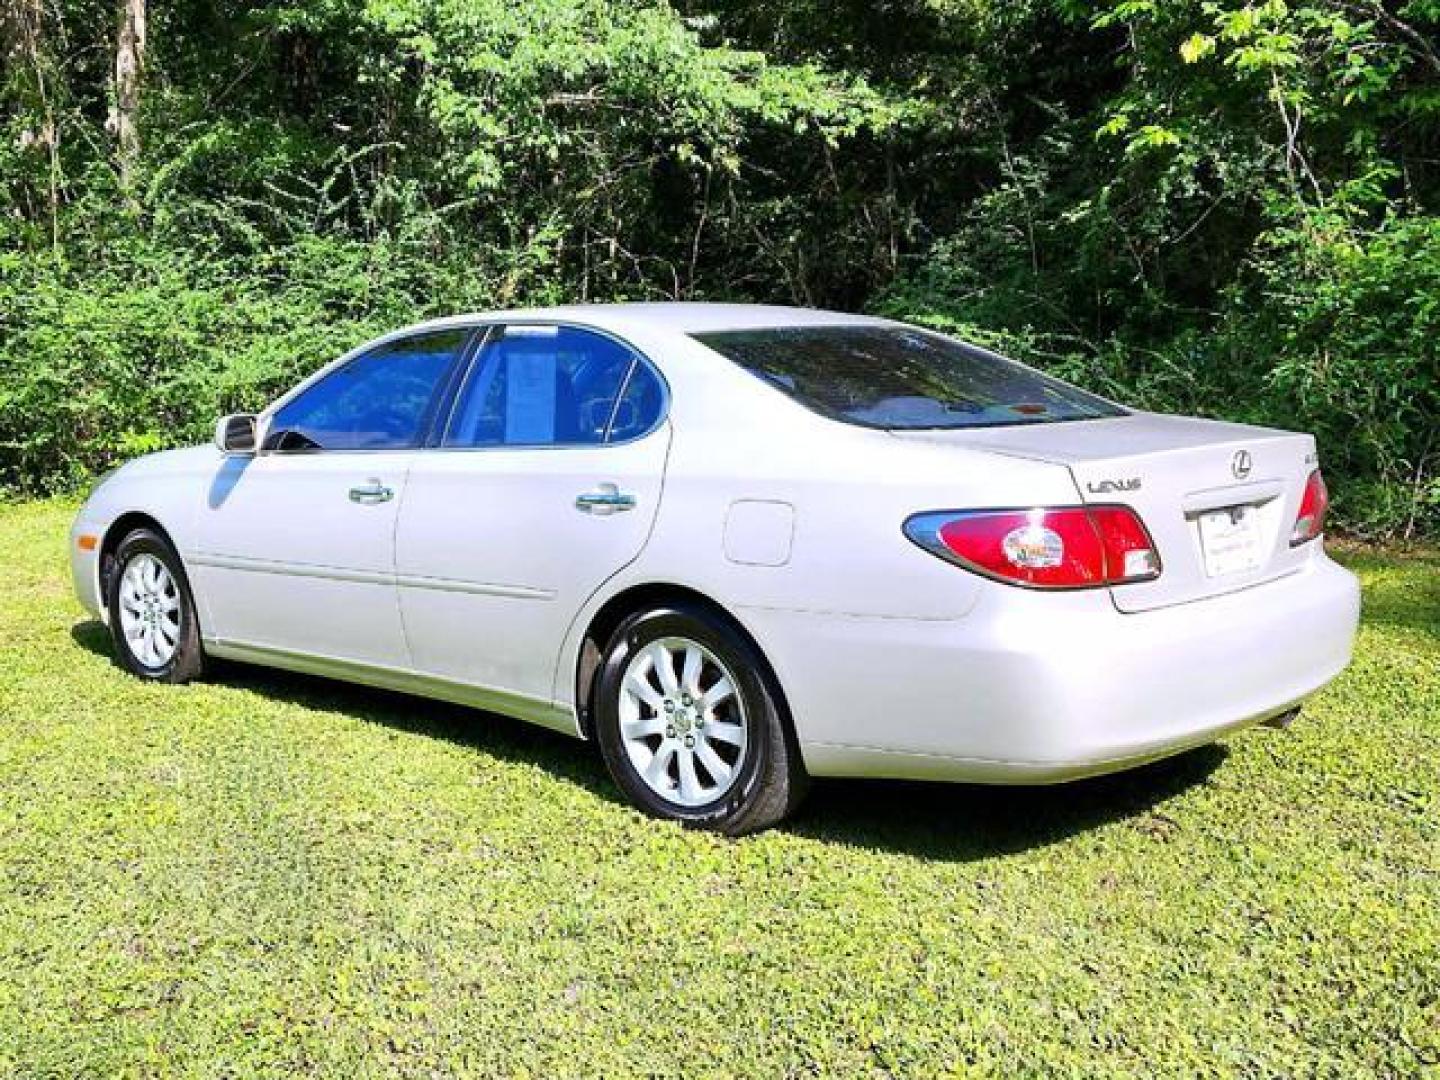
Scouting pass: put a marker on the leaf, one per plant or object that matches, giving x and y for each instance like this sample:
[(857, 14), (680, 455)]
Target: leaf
[(1152, 137), (1116, 125), (1196, 47)]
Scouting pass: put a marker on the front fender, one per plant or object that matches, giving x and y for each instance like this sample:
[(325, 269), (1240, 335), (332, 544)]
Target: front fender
[(165, 490)]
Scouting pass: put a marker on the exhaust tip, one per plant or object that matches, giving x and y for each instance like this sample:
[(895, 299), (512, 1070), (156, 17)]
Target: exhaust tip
[(1283, 720)]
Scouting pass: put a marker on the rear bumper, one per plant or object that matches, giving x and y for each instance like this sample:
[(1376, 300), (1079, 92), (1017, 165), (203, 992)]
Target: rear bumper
[(1038, 688)]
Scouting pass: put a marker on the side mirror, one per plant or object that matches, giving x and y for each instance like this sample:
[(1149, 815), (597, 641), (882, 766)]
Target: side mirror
[(235, 434)]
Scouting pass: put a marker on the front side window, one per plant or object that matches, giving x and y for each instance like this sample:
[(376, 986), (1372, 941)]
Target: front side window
[(899, 378), (551, 386), (381, 400)]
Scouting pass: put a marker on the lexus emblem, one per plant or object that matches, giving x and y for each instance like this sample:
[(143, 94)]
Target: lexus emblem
[(1240, 464)]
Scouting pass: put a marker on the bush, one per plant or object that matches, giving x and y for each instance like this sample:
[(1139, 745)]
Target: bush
[(145, 351), (1331, 335), (1336, 337), (1205, 207)]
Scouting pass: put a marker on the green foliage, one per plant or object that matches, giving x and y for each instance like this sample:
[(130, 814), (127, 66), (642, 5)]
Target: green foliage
[(265, 875), (1244, 228), (147, 352), (1351, 324), (1336, 334), (1200, 205)]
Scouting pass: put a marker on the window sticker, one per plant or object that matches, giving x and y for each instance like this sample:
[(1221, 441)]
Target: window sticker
[(530, 397)]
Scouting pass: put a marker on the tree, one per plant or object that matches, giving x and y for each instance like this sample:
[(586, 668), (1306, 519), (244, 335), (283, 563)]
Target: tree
[(22, 45), (130, 45)]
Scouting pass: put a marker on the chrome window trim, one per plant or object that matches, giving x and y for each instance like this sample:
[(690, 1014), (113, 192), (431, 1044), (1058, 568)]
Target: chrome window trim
[(619, 397)]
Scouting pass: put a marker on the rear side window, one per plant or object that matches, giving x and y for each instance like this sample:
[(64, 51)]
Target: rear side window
[(381, 400), (640, 405), (553, 386), (896, 377)]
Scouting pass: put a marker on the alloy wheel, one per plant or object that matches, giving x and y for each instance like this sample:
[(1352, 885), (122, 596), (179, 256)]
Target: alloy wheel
[(682, 721), (150, 611)]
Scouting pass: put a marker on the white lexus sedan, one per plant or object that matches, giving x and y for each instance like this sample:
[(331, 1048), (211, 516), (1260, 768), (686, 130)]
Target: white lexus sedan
[(737, 547)]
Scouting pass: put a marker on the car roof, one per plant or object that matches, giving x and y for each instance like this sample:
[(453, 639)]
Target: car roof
[(686, 317)]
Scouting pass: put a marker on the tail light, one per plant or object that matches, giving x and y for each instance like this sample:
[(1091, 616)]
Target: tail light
[(1310, 522), (1076, 547)]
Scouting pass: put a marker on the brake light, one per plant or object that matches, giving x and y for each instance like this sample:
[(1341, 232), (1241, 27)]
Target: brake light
[(1310, 521), (1077, 547), (1130, 554)]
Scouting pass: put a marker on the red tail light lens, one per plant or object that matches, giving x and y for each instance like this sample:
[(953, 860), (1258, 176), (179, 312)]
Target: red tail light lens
[(1075, 547), (1130, 554), (1310, 522)]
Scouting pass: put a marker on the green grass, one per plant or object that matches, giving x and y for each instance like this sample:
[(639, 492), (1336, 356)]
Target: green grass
[(271, 874)]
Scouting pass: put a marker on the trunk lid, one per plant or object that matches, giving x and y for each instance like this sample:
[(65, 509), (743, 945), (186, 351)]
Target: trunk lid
[(1219, 499)]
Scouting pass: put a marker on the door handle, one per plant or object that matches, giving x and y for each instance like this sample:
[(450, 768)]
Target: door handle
[(371, 493), (606, 499)]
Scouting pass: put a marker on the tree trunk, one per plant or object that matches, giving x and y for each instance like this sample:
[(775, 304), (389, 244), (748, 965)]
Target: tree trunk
[(129, 77), (22, 49)]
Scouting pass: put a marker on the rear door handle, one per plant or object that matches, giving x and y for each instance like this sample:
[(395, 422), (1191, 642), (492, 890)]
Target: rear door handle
[(605, 499), (371, 493)]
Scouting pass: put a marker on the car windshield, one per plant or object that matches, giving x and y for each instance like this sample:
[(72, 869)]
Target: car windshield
[(896, 377)]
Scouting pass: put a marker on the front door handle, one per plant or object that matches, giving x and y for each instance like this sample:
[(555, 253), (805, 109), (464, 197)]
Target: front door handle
[(606, 499), (371, 493)]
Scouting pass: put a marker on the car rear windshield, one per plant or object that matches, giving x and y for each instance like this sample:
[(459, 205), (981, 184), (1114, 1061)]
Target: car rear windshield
[(896, 377)]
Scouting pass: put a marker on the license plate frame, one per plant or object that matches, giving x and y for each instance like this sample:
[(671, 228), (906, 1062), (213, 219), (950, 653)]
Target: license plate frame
[(1231, 541)]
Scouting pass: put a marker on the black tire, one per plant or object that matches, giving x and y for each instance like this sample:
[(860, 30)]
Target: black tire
[(770, 781), (188, 660)]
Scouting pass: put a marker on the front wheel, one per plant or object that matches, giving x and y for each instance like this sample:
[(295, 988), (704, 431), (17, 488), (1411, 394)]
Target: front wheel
[(691, 726), (152, 614)]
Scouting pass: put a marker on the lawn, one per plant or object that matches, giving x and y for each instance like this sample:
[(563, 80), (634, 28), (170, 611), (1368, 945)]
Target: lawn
[(272, 874)]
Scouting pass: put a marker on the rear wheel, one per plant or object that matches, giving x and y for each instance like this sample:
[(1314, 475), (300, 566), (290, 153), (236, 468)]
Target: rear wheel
[(691, 725), (152, 614)]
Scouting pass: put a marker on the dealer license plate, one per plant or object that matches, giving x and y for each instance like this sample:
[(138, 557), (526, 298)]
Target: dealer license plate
[(1230, 540)]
